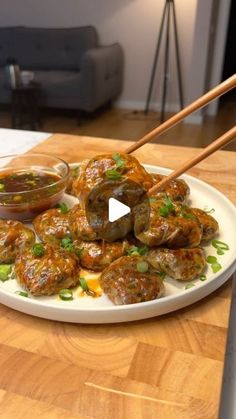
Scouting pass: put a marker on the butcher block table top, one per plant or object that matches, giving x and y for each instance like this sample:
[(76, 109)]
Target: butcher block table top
[(165, 367)]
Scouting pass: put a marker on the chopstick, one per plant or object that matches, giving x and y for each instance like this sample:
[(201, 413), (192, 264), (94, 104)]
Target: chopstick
[(210, 149), (217, 91)]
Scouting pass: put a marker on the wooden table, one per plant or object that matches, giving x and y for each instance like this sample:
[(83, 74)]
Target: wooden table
[(166, 367)]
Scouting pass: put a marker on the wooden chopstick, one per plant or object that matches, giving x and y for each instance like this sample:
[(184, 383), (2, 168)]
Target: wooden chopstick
[(217, 91), (211, 148)]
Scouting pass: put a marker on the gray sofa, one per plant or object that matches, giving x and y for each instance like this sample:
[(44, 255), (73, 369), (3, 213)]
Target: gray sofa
[(73, 71)]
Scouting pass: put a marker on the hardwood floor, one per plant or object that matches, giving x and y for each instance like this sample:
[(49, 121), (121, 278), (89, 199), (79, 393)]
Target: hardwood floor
[(128, 125)]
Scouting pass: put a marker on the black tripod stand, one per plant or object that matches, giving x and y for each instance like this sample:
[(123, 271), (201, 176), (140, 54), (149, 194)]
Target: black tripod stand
[(168, 10)]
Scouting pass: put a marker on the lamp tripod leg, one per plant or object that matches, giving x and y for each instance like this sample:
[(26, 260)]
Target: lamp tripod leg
[(155, 61), (166, 65), (180, 84)]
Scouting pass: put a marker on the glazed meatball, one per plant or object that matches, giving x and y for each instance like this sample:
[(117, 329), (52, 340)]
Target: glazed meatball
[(209, 225), (14, 237), (96, 170), (47, 274), (168, 225), (98, 255), (177, 189), (79, 226), (123, 282), (52, 225), (182, 264)]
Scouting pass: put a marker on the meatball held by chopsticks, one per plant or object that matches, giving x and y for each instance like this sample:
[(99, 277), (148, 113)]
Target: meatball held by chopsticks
[(131, 279), (45, 270), (14, 238), (109, 167)]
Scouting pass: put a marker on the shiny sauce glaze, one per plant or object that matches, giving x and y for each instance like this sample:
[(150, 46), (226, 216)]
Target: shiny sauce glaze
[(25, 193)]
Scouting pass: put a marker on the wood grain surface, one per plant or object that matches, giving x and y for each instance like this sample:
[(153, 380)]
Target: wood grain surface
[(166, 367)]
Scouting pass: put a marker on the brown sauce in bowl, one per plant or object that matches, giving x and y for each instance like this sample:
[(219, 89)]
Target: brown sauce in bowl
[(26, 180), (26, 193)]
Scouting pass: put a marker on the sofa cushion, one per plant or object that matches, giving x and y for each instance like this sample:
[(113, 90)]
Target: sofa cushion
[(58, 83), (46, 49)]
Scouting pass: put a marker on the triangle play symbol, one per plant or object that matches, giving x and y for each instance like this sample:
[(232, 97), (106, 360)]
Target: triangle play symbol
[(117, 210)]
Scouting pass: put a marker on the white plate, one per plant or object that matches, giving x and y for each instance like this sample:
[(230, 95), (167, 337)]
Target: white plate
[(101, 310)]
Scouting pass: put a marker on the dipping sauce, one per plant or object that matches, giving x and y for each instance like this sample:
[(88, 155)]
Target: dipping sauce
[(26, 181), (25, 193)]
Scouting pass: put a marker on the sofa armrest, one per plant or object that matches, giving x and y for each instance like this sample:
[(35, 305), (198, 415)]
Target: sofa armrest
[(101, 75)]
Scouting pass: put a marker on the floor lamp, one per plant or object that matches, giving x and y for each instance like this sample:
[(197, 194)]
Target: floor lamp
[(169, 10)]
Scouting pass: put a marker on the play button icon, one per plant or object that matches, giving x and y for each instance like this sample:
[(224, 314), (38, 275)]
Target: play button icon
[(116, 210), (110, 208)]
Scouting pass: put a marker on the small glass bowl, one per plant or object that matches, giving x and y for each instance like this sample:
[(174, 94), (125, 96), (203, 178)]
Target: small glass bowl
[(25, 205)]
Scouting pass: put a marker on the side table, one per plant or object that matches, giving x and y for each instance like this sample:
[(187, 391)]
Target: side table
[(25, 106)]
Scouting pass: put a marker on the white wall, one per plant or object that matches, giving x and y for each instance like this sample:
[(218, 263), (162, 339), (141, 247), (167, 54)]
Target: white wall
[(135, 24)]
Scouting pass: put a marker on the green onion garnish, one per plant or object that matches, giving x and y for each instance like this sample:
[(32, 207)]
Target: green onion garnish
[(189, 286), (2, 187), (66, 295), (188, 216), (113, 174), (142, 267), (215, 265), (137, 251), (67, 244), (83, 284), (162, 275), (79, 252), (119, 161), (203, 278), (209, 211), (22, 293), (220, 246), (211, 259), (38, 249), (166, 209), (5, 271), (63, 207), (151, 200)]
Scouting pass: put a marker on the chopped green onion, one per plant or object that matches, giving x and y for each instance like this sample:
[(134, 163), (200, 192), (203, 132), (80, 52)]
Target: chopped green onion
[(220, 251), (67, 244), (142, 267), (38, 249), (211, 259), (22, 293), (219, 244), (2, 187), (63, 207), (162, 275), (119, 161), (163, 211), (83, 284), (189, 286), (203, 277), (188, 216), (216, 267), (166, 209), (113, 174), (209, 211), (137, 251), (5, 271), (151, 200), (79, 252), (66, 295)]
